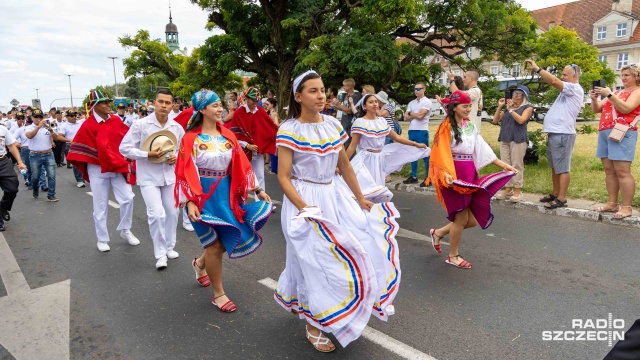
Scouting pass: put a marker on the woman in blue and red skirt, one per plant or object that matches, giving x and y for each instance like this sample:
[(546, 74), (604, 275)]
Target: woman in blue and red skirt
[(458, 153), (213, 176)]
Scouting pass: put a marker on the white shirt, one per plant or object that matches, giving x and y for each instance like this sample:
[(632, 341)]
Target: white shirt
[(148, 173), (130, 118), (414, 107), (476, 103), (172, 114), (561, 117), (6, 138), (21, 137), (255, 109), (41, 141), (69, 130)]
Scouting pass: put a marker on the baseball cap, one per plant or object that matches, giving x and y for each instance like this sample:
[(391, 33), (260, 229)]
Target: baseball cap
[(37, 113)]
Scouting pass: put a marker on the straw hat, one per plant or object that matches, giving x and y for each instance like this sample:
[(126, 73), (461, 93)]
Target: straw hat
[(163, 139)]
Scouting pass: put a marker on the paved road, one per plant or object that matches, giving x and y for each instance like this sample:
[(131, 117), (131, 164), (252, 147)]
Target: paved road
[(532, 272)]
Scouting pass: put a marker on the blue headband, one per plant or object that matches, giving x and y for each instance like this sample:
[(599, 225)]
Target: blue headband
[(201, 99)]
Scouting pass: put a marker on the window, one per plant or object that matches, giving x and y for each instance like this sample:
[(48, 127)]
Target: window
[(601, 33), (622, 30), (505, 71), (456, 72), (515, 70), (602, 58), (470, 52), (623, 59), (438, 59), (441, 79), (494, 70)]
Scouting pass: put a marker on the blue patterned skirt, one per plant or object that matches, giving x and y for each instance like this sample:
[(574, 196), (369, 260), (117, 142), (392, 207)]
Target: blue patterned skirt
[(219, 223)]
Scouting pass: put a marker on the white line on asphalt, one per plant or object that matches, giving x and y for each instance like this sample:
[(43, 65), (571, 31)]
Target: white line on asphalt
[(416, 236), (401, 349), (114, 205), (10, 272)]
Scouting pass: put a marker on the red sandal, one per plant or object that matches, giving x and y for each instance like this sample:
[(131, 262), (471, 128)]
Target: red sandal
[(464, 264), (227, 307), (202, 280), (436, 247)]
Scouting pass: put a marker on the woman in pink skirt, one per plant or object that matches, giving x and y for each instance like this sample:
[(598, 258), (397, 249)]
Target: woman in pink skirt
[(458, 153)]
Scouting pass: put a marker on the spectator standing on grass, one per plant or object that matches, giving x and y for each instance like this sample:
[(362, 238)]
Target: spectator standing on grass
[(513, 138), (560, 126), (621, 106), (470, 81), (352, 97), (418, 112)]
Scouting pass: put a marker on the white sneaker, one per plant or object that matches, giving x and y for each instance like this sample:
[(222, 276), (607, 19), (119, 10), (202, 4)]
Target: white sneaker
[(172, 254), (103, 246), (187, 226), (161, 263), (127, 235), (80, 185)]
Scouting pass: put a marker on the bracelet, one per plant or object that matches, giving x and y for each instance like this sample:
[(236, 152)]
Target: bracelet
[(539, 69), (258, 191), (610, 95)]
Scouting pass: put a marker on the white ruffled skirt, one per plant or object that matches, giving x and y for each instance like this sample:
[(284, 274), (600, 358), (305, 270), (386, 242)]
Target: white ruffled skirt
[(342, 263)]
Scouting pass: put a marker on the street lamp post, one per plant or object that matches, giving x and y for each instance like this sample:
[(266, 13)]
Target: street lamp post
[(70, 94), (37, 96), (114, 72)]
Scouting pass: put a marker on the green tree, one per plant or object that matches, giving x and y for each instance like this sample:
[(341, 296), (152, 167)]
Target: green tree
[(559, 47), (133, 88), (198, 71), (281, 38), (150, 57)]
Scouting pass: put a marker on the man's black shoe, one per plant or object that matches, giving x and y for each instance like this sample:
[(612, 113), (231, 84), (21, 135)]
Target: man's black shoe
[(35, 194), (45, 189), (68, 166), (411, 180), (52, 198), (424, 183), (5, 215), (1, 227)]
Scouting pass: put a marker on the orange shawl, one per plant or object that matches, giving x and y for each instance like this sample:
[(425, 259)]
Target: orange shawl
[(441, 163)]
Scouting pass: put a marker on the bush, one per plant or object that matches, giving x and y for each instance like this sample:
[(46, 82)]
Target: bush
[(538, 139)]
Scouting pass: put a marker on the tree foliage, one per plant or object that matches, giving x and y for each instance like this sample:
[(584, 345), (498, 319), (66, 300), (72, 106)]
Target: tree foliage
[(150, 57), (105, 90)]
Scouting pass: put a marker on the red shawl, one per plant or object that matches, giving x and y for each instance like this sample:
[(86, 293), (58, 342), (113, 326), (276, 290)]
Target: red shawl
[(257, 129), (99, 143), (184, 117), (188, 180)]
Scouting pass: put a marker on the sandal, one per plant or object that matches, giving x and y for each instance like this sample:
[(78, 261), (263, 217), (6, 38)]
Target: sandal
[(320, 340), (436, 247), (202, 280), (504, 194), (619, 215), (464, 264), (227, 307), (604, 209), (556, 203), (516, 198), (549, 198)]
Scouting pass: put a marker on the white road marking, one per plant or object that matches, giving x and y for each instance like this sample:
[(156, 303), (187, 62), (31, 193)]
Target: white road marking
[(34, 323), (113, 204), (401, 349), (416, 236)]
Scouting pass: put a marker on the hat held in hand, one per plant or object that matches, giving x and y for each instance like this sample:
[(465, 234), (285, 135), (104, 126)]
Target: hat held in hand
[(165, 140)]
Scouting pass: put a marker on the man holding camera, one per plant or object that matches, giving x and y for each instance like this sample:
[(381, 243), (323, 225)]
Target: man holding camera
[(470, 81), (41, 138), (560, 126)]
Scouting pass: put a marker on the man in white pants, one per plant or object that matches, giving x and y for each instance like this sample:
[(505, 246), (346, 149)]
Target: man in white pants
[(153, 142), (94, 152)]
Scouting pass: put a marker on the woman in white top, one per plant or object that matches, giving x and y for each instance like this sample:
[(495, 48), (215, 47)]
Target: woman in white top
[(368, 135), (342, 260)]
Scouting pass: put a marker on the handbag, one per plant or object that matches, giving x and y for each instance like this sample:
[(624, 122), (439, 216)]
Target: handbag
[(620, 130)]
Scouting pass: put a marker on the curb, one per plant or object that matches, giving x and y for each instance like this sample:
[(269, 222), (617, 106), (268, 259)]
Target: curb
[(590, 215)]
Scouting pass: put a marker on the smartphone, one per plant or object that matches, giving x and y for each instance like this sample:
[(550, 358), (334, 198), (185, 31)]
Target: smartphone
[(507, 95), (599, 83)]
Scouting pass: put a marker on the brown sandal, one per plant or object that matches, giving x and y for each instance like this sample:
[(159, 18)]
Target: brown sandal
[(619, 215), (604, 209)]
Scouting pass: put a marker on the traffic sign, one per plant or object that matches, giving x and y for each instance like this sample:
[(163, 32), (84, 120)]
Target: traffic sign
[(14, 102)]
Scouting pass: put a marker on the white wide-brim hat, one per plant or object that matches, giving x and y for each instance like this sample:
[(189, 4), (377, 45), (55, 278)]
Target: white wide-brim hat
[(382, 97), (163, 139)]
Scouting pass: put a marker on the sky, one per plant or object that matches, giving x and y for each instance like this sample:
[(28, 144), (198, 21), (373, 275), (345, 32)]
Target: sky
[(44, 40)]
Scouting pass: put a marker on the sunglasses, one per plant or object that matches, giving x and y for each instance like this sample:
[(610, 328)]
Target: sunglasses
[(418, 89)]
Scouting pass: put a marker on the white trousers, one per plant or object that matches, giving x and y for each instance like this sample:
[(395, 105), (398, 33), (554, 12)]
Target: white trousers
[(163, 217), (124, 196), (185, 215), (257, 163)]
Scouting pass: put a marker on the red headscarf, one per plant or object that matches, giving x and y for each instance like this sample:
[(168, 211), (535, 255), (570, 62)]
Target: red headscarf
[(188, 180)]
